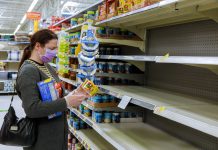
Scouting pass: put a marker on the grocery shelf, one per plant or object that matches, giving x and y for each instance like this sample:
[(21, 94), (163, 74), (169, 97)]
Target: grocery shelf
[(7, 92), (165, 12), (68, 81), (133, 43), (8, 71), (126, 57), (85, 136), (174, 106), (199, 60), (187, 60), (18, 43), (12, 61), (117, 109), (74, 28), (79, 13), (53, 65), (140, 136)]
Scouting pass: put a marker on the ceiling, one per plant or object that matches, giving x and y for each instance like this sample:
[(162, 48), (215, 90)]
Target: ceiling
[(11, 13)]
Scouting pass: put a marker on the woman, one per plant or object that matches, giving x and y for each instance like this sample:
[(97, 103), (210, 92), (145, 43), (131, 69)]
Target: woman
[(51, 133)]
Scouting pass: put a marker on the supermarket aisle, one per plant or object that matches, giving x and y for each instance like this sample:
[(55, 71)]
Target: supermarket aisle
[(4, 104)]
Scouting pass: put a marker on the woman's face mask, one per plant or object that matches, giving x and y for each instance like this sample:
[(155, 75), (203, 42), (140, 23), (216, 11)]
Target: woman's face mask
[(48, 56), (49, 51)]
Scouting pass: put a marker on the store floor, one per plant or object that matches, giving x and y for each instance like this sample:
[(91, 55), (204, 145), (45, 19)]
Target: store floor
[(4, 104)]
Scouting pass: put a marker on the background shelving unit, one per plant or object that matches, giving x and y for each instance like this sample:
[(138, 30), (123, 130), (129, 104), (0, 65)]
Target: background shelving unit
[(11, 66), (178, 56)]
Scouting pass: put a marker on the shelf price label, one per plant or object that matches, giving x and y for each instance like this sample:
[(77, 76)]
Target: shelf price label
[(124, 102), (159, 110)]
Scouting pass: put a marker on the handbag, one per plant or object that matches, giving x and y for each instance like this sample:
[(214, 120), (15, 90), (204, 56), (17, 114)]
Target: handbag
[(15, 132)]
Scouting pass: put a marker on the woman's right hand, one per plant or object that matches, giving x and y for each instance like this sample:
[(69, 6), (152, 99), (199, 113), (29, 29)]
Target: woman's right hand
[(74, 99)]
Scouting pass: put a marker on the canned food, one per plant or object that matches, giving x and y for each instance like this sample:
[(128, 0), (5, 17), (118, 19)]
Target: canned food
[(111, 81), (76, 124), (109, 51), (114, 67), (102, 51), (116, 117), (97, 99), (116, 51), (87, 112), (82, 124), (98, 81), (128, 68), (105, 98), (98, 117), (107, 117), (112, 99), (121, 67), (102, 66), (81, 108)]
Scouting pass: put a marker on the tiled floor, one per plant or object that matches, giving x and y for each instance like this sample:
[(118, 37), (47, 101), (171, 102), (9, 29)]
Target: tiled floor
[(4, 104)]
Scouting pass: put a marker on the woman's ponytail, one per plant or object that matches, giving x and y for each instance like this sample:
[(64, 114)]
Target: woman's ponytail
[(26, 55)]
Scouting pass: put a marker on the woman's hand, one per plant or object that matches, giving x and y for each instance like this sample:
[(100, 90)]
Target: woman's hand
[(75, 98)]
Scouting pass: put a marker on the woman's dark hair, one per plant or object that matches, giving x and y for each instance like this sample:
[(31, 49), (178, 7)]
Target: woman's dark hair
[(42, 37)]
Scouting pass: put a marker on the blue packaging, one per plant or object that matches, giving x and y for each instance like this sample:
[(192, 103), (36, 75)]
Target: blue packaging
[(116, 117), (48, 94), (97, 99), (98, 117), (107, 117), (105, 98), (76, 124)]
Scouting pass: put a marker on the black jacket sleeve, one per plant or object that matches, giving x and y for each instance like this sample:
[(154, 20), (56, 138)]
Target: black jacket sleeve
[(29, 93)]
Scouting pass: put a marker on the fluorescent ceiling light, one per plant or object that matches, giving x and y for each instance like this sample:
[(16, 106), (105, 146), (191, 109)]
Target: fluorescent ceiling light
[(33, 4), (18, 27)]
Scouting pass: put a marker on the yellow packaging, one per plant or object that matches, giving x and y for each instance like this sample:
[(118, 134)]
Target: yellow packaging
[(78, 49), (89, 87)]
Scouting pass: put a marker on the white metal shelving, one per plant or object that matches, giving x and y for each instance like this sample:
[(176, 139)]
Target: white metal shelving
[(18, 43), (10, 61), (91, 7), (8, 71), (166, 12), (53, 65), (140, 136), (198, 114), (74, 28), (195, 60), (85, 136)]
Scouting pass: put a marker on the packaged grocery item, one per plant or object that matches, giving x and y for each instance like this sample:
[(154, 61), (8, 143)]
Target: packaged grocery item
[(81, 108), (91, 15), (49, 93), (85, 17), (76, 124), (128, 68), (116, 117), (116, 51), (74, 21), (102, 10), (107, 117), (80, 20), (109, 51), (97, 98), (105, 98), (82, 124), (121, 67), (89, 87), (111, 8), (87, 112), (97, 117)]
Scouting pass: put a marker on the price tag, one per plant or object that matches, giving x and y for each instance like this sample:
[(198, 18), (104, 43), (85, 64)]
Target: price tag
[(158, 110), (124, 102)]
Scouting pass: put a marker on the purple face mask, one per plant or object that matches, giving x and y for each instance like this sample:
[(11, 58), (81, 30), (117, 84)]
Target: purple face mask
[(48, 56)]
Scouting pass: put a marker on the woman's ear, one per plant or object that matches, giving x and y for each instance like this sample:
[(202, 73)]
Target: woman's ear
[(37, 46)]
